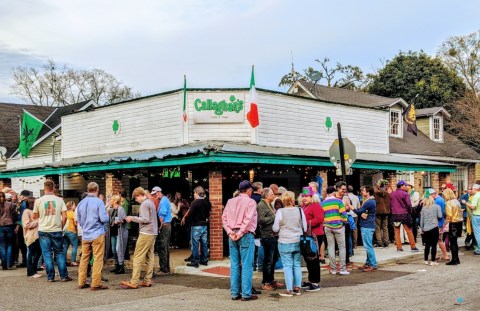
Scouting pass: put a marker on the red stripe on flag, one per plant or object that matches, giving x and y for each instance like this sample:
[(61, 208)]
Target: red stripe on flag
[(252, 115)]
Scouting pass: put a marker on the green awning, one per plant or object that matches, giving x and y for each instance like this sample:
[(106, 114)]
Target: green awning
[(220, 154)]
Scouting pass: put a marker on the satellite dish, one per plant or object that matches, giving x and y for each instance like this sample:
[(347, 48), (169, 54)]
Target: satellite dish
[(3, 152), (314, 75)]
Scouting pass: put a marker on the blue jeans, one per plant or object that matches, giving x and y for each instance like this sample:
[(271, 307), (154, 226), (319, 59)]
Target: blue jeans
[(7, 237), (70, 238), (113, 246), (476, 229), (367, 238), (291, 260), (53, 241), (199, 237), (241, 265)]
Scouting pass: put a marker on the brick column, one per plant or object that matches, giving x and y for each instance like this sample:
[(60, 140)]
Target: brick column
[(471, 175), (435, 181), (324, 176), (418, 182), (4, 184), (112, 185), (392, 181), (216, 229)]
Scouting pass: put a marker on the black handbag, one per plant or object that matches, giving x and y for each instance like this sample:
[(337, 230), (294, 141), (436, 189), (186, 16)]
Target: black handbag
[(308, 243)]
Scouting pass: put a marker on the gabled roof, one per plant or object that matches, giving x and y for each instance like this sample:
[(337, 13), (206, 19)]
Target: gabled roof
[(422, 145), (353, 98), (9, 128), (431, 111), (53, 121)]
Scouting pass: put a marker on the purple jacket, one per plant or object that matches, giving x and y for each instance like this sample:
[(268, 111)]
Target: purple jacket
[(400, 202)]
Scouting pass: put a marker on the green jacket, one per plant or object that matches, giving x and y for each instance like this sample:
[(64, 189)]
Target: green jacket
[(266, 217)]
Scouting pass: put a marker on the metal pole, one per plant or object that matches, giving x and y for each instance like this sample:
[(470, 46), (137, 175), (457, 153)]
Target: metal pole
[(342, 152)]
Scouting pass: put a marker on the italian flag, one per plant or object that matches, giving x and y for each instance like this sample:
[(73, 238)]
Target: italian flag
[(252, 115), (185, 98)]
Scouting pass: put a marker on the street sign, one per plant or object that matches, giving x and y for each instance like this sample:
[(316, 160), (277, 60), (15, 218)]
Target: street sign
[(350, 155)]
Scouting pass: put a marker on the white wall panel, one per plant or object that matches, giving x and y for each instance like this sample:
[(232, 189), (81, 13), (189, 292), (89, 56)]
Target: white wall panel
[(287, 121), (149, 123)]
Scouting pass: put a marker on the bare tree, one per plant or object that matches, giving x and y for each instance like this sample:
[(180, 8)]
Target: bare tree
[(465, 120), (54, 85), (338, 75), (462, 54)]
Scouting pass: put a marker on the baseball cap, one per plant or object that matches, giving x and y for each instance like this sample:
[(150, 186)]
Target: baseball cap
[(429, 192), (156, 189), (476, 186), (402, 183), (245, 184)]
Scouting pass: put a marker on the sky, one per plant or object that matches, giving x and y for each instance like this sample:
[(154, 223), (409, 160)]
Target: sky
[(150, 45)]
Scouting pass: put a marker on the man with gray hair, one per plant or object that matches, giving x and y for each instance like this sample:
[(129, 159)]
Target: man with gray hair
[(198, 215), (92, 216), (269, 239)]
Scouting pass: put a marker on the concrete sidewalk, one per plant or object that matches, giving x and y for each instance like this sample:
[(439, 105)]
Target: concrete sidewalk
[(384, 256)]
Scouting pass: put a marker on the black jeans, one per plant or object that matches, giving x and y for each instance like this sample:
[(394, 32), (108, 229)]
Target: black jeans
[(33, 255), (431, 240), (270, 258), (163, 244), (313, 264), (348, 233), (455, 230)]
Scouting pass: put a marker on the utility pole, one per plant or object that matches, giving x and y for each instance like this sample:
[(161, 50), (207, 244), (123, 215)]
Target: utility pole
[(342, 153)]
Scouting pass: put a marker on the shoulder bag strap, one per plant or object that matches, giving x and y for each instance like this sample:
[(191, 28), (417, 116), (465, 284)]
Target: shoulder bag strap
[(301, 219)]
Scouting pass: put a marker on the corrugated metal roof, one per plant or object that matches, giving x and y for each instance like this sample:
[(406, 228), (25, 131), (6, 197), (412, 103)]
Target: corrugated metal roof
[(222, 152)]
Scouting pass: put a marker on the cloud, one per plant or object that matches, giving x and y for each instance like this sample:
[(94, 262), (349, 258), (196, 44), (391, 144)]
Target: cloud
[(150, 44), (10, 58)]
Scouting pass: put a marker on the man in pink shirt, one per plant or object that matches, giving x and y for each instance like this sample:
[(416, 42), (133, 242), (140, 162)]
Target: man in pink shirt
[(240, 221)]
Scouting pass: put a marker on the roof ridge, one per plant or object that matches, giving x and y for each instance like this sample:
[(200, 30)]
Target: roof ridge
[(350, 91)]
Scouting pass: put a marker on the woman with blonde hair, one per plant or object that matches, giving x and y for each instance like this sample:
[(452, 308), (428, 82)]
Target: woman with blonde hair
[(118, 233), (70, 236), (454, 220), (290, 223), (429, 217), (30, 233)]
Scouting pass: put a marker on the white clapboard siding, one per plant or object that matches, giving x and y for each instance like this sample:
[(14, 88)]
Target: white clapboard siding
[(19, 162), (148, 123), (293, 122), (235, 132), (30, 183)]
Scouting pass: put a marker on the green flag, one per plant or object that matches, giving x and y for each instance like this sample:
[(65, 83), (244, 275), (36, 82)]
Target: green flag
[(31, 127)]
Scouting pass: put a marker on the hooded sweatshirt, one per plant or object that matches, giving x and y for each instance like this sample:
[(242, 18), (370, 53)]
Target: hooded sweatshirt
[(382, 198)]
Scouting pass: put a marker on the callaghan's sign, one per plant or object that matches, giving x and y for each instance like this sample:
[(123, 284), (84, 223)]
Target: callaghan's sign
[(214, 109)]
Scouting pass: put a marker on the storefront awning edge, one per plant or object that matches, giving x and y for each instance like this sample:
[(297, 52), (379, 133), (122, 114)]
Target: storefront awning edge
[(214, 157)]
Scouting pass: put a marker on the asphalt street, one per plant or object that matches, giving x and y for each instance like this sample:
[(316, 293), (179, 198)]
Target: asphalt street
[(402, 286)]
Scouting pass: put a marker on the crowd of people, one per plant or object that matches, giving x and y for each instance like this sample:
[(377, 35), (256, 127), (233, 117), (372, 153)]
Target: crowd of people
[(271, 216), (265, 226), (43, 229)]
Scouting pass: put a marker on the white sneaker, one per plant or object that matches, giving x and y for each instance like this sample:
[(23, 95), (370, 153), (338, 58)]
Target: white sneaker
[(333, 272), (36, 276), (427, 263), (345, 272), (434, 263)]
